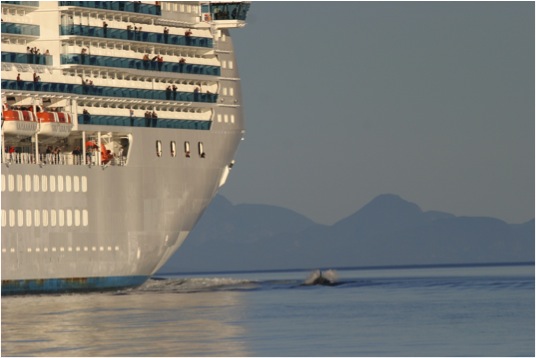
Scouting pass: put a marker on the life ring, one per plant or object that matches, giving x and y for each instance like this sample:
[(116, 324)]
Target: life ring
[(207, 17)]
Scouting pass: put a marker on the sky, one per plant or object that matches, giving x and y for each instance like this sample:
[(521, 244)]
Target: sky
[(344, 101)]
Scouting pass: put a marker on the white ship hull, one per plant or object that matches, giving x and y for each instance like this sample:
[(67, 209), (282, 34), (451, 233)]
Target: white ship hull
[(92, 220), (119, 226)]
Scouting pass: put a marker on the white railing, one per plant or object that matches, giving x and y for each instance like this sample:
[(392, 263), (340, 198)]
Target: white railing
[(59, 159)]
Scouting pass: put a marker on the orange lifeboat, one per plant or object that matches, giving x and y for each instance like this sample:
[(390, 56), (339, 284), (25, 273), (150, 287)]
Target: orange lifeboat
[(21, 123), (55, 124)]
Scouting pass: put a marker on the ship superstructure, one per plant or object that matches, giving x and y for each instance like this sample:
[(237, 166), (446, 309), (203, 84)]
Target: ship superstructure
[(120, 122)]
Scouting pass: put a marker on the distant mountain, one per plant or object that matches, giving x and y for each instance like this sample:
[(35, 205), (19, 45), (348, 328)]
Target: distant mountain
[(387, 231)]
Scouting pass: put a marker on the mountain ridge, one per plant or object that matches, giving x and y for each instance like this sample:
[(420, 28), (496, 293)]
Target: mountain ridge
[(387, 231)]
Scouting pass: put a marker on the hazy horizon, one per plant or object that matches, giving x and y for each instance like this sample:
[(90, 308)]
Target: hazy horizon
[(345, 101)]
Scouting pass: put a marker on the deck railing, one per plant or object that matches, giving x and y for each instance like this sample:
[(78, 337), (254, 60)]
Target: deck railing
[(59, 159)]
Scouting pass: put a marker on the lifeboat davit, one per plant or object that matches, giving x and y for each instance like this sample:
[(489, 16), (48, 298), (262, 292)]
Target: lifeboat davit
[(21, 123), (55, 124)]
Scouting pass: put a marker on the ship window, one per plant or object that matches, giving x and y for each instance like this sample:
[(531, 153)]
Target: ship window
[(61, 217), (84, 184), (231, 91), (69, 217), (44, 183), (20, 218), (37, 217), (76, 183), (226, 118), (11, 182), (52, 183), (28, 182), (28, 218), (11, 218), (68, 183), (4, 218), (201, 149), (36, 183), (173, 148), (60, 183), (77, 217), (85, 218), (187, 149), (3, 182), (45, 218), (53, 217), (158, 148), (232, 118), (19, 183)]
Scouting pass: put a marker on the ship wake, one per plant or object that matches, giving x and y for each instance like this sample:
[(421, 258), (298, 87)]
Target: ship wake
[(202, 284)]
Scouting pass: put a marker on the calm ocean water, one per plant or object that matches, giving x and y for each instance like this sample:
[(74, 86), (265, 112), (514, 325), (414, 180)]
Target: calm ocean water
[(455, 311)]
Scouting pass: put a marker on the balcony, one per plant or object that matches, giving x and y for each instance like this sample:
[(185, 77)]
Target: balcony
[(20, 29), (127, 6), (105, 91), (27, 58), (130, 35), (28, 4), (121, 62), (143, 122)]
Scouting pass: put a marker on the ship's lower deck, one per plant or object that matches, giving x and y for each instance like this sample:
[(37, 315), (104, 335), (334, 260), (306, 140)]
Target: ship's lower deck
[(71, 225)]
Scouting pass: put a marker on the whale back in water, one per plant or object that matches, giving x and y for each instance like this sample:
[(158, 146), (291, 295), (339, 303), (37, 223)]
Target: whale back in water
[(324, 278)]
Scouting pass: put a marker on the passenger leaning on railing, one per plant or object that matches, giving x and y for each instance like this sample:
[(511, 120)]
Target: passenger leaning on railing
[(77, 155)]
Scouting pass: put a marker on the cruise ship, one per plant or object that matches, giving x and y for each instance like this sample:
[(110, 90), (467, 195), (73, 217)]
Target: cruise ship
[(120, 122)]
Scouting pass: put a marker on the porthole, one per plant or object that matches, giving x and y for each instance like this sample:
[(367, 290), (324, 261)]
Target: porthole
[(173, 148), (158, 148), (201, 149), (187, 149)]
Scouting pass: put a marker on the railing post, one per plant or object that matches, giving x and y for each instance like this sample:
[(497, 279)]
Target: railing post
[(99, 154), (84, 157)]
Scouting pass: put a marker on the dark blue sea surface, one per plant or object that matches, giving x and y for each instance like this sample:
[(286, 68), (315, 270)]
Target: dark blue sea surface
[(450, 311)]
